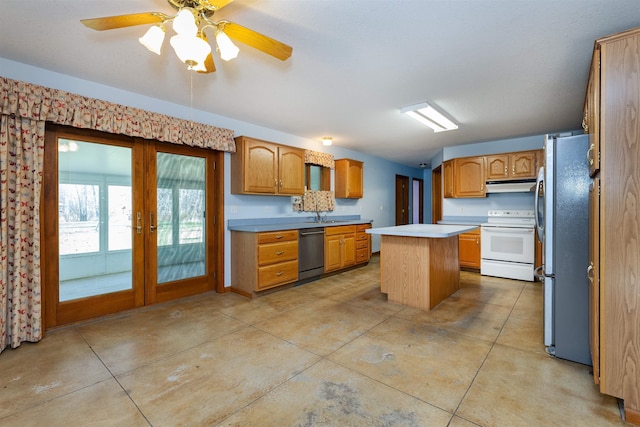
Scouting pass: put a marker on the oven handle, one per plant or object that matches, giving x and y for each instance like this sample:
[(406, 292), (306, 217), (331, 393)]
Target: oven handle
[(508, 230)]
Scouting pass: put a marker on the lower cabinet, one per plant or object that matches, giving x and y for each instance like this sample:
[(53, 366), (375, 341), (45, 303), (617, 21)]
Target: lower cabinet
[(339, 247), (265, 260), (469, 249), (363, 243)]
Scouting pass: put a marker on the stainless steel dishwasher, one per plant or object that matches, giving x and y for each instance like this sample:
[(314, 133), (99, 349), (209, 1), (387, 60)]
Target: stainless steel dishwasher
[(310, 252)]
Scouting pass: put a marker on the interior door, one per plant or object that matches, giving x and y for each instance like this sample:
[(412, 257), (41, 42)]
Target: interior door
[(436, 195), (402, 200)]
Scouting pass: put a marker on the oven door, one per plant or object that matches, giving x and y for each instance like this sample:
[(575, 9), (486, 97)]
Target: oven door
[(510, 244)]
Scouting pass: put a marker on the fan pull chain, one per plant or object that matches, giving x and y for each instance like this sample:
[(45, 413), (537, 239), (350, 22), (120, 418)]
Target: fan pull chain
[(191, 100)]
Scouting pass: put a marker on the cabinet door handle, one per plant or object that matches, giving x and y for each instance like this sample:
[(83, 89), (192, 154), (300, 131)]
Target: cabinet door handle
[(513, 169), (590, 154), (590, 272), (506, 171)]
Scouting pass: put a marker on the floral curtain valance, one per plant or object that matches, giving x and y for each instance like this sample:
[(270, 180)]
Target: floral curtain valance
[(320, 159), (35, 102)]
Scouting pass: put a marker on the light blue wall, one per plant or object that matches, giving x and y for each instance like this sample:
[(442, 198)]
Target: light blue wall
[(379, 174)]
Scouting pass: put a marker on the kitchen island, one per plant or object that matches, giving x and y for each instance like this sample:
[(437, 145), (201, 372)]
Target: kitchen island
[(419, 264)]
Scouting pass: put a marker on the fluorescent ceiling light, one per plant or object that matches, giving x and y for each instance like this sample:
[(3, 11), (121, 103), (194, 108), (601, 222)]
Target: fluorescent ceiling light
[(427, 115)]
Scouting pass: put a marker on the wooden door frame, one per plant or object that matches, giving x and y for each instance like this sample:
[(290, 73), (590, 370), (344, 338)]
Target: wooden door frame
[(115, 302), (436, 194)]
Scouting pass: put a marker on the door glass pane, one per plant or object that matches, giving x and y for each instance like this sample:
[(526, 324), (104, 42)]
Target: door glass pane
[(180, 217), (94, 219)]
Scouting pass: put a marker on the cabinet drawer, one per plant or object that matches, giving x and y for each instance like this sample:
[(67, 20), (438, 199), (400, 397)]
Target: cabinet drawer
[(271, 253), (362, 255), (362, 244), (277, 274), (362, 227), (362, 236), (340, 229), (277, 236)]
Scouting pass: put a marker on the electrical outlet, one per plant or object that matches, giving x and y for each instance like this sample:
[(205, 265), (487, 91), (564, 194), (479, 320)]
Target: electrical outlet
[(233, 209), (296, 200)]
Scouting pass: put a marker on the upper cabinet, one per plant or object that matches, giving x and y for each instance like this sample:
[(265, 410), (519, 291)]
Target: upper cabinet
[(349, 179), (447, 173), (468, 177), (262, 167), (591, 118), (519, 165)]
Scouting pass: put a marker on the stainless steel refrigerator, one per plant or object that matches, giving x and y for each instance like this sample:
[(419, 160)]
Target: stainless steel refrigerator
[(562, 220)]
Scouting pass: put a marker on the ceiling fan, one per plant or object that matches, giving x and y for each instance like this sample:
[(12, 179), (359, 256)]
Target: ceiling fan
[(190, 42)]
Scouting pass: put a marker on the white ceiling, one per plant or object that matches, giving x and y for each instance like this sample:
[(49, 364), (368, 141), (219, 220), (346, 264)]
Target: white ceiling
[(499, 68)]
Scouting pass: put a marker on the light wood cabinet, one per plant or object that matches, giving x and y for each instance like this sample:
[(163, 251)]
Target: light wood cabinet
[(339, 247), (469, 249), (447, 173), (363, 243), (349, 179), (468, 177), (265, 260), (612, 120), (262, 167), (591, 119), (508, 166)]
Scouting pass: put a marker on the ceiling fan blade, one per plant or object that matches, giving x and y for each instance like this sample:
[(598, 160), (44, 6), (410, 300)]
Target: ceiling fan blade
[(217, 4), (121, 21), (256, 40), (209, 65)]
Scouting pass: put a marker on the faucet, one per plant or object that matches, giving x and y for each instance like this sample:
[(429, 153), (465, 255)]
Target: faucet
[(318, 216)]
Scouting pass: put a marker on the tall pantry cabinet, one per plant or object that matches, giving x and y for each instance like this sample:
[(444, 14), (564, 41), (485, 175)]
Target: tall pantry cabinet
[(612, 119)]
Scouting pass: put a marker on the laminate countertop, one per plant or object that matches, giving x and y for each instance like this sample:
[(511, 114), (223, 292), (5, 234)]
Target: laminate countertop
[(437, 231)]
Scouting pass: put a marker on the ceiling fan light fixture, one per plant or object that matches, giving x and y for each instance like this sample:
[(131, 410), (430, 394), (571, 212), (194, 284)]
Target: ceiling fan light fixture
[(191, 50), (184, 23), (227, 49), (153, 38), (428, 115)]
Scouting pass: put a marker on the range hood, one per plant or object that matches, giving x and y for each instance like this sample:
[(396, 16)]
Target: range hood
[(519, 186)]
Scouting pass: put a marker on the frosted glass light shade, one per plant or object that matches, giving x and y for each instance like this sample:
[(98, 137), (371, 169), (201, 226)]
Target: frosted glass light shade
[(191, 50), (428, 115), (327, 140), (153, 39), (185, 23), (227, 49)]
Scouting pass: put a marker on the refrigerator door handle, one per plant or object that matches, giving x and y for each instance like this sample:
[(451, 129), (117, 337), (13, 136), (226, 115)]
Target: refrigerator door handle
[(539, 195)]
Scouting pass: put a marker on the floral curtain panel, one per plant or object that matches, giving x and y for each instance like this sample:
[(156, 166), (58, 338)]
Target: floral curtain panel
[(21, 160), (64, 108), (316, 201)]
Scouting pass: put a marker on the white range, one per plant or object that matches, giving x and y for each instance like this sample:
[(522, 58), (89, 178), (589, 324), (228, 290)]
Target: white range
[(508, 244)]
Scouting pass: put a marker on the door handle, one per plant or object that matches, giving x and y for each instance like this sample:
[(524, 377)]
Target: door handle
[(590, 275), (139, 222), (152, 226)]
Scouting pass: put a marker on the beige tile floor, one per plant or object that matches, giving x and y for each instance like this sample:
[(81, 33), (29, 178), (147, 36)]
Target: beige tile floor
[(329, 353)]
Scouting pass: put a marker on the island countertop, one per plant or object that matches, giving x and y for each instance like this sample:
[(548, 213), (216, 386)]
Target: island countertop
[(423, 230)]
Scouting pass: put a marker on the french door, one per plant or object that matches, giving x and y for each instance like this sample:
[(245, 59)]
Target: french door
[(127, 223)]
